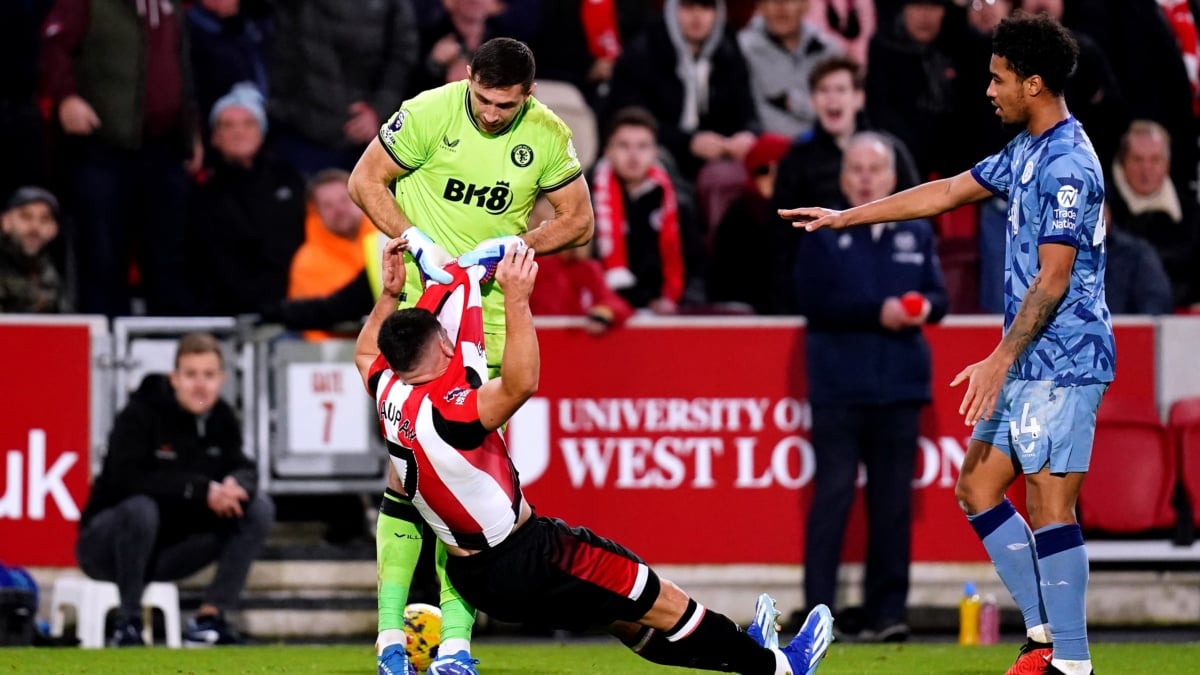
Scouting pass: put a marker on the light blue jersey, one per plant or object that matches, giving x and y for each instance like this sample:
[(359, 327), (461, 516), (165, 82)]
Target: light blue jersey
[(1055, 192)]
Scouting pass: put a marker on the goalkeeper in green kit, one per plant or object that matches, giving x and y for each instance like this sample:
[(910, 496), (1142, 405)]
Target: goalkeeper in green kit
[(457, 171)]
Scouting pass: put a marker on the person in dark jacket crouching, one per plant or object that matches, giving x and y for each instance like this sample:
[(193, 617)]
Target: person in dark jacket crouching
[(866, 293), (176, 493)]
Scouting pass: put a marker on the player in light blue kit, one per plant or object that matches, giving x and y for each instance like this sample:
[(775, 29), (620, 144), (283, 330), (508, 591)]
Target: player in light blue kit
[(1033, 400)]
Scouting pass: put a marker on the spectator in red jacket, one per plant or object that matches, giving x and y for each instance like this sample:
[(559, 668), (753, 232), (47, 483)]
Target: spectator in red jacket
[(118, 77)]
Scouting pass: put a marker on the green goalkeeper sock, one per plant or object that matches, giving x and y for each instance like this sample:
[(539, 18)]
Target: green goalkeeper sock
[(457, 615), (398, 534)]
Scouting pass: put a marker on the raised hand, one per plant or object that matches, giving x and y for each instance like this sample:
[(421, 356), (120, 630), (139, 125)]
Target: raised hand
[(393, 266)]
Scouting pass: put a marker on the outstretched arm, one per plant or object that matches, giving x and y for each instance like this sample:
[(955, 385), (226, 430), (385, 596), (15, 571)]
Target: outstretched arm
[(366, 348), (923, 201), (520, 366)]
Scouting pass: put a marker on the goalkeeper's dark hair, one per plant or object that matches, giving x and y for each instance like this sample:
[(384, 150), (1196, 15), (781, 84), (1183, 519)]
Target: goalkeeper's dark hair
[(1037, 44), (403, 336), (503, 62)]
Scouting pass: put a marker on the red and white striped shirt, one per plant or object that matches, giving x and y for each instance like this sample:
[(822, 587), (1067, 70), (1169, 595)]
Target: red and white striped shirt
[(459, 475)]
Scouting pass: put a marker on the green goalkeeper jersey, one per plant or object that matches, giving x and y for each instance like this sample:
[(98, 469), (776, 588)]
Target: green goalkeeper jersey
[(464, 185)]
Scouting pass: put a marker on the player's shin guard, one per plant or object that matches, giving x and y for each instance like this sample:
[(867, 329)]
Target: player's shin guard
[(1063, 564), (398, 535), (705, 640), (458, 616)]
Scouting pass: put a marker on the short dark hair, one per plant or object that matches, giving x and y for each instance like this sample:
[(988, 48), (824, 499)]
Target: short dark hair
[(503, 62), (1037, 44), (832, 65), (198, 343), (403, 336), (631, 116)]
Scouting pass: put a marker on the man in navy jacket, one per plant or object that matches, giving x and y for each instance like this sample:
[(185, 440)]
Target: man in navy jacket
[(868, 373)]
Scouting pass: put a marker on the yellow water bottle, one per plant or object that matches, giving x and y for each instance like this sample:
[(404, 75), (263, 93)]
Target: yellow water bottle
[(968, 616)]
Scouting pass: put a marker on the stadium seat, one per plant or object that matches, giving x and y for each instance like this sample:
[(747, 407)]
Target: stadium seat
[(960, 269), (959, 223), (1133, 471), (93, 600), (1183, 421), (568, 103)]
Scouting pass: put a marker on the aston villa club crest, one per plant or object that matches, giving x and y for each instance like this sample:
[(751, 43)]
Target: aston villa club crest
[(522, 155), (1027, 173)]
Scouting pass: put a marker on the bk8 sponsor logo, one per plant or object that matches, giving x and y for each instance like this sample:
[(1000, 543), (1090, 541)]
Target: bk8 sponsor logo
[(495, 199)]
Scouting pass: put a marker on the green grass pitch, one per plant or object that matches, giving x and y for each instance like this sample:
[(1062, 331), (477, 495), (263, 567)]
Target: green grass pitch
[(595, 657)]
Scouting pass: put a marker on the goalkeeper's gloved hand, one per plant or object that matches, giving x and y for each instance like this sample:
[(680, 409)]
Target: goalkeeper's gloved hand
[(490, 252), (430, 257)]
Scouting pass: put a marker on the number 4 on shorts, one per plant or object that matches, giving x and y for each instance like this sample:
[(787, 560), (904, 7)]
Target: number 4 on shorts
[(1029, 425)]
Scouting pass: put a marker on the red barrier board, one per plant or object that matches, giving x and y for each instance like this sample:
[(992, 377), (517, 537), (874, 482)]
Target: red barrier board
[(44, 389), (690, 445)]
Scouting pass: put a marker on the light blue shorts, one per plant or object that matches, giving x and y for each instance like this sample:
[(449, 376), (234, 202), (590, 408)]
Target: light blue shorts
[(1040, 424)]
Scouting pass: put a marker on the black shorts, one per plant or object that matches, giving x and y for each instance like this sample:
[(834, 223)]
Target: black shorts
[(552, 575)]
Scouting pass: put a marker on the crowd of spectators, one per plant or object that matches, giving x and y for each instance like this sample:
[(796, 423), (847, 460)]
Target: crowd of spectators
[(186, 153)]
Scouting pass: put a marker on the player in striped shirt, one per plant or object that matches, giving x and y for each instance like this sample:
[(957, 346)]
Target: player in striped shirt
[(441, 415), (456, 171)]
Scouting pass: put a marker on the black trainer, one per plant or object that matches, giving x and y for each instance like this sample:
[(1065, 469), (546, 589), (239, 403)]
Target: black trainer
[(891, 631), (210, 629), (127, 633)]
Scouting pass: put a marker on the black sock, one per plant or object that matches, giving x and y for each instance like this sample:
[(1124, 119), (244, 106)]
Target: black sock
[(705, 640)]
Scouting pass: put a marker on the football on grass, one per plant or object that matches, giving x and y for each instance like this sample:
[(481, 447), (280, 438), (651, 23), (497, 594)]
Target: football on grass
[(423, 628)]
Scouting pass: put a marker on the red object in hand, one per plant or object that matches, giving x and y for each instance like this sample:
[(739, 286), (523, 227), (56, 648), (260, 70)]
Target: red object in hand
[(913, 303)]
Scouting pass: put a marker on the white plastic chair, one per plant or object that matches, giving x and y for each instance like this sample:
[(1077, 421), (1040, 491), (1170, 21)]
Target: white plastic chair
[(93, 600)]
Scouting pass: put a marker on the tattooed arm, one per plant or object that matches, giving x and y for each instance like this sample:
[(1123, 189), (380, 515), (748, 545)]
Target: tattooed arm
[(1041, 300), (986, 377)]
